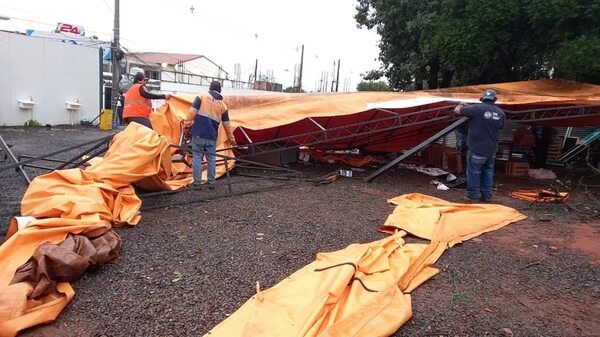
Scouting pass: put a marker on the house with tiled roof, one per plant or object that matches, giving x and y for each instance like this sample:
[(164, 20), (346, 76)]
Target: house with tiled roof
[(176, 68)]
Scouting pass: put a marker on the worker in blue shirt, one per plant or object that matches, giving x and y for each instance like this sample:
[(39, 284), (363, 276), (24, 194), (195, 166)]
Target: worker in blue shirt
[(205, 115), (485, 122)]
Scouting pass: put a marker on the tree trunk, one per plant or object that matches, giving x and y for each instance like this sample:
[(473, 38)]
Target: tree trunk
[(434, 72), (447, 76), (418, 83)]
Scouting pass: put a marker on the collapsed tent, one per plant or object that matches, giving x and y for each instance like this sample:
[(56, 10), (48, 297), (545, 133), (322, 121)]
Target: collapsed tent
[(88, 202), (364, 289), (393, 122)]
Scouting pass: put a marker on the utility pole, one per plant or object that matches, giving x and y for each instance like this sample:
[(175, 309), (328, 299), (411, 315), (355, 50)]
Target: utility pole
[(333, 76), (255, 79), (295, 73), (300, 76), (337, 80), (115, 61)]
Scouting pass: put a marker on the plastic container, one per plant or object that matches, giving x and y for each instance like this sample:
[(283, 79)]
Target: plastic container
[(106, 122)]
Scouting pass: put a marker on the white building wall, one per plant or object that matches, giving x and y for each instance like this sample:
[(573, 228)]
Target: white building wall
[(50, 73)]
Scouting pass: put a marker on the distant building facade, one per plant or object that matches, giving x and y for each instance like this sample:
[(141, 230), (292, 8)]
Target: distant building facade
[(176, 68)]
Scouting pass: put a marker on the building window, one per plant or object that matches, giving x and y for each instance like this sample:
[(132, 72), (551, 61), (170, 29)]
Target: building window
[(153, 74)]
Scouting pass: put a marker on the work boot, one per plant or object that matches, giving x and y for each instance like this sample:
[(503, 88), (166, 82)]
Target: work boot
[(196, 187), (211, 187), (486, 199), (468, 200)]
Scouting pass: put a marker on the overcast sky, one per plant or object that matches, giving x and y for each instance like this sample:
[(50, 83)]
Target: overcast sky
[(226, 31)]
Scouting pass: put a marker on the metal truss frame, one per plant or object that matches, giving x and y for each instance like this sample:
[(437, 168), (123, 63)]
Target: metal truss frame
[(99, 146), (287, 176), (550, 114), (350, 131), (396, 121)]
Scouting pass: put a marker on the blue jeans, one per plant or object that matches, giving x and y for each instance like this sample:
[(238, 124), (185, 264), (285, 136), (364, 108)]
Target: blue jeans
[(204, 147), (480, 176)]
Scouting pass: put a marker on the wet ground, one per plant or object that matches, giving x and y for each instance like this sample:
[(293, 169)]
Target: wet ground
[(184, 269)]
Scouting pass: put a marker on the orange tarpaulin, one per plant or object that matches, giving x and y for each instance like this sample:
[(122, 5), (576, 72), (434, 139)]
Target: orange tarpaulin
[(363, 290), (87, 202), (441, 221), (82, 202), (74, 201), (542, 196)]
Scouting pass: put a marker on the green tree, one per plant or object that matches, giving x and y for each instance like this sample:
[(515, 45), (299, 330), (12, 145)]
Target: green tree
[(461, 42), (293, 89), (373, 86)]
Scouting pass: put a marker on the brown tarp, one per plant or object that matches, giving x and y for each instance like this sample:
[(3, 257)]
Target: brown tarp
[(67, 261), (349, 159)]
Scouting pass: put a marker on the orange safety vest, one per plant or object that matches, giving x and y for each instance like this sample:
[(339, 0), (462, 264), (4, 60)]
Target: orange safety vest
[(135, 104)]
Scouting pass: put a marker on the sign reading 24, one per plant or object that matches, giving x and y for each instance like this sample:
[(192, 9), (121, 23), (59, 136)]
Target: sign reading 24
[(70, 29)]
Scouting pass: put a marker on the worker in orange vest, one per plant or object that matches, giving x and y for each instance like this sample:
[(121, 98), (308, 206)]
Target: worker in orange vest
[(137, 102)]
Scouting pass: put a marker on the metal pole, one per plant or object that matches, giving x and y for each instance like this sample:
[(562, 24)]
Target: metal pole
[(191, 201), (13, 158), (42, 157), (337, 80), (295, 74), (227, 175), (115, 61), (422, 145), (100, 82), (39, 167), (300, 76), (79, 155), (333, 76), (91, 156), (255, 70), (26, 156)]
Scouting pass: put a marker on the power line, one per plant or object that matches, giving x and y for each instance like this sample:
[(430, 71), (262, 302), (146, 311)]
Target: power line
[(29, 20), (108, 6), (18, 9)]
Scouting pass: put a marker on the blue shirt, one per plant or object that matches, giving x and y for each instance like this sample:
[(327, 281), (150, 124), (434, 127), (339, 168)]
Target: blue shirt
[(204, 126), (485, 122)]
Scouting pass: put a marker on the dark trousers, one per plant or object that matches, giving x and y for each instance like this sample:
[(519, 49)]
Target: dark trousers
[(140, 120)]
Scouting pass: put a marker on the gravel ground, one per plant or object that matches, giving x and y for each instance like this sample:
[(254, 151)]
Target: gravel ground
[(184, 269)]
